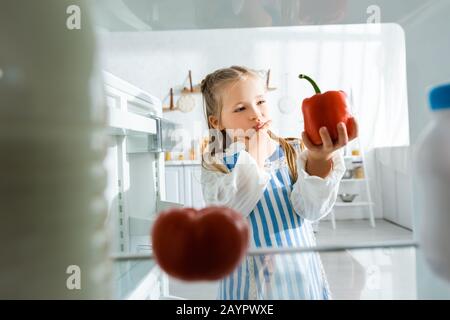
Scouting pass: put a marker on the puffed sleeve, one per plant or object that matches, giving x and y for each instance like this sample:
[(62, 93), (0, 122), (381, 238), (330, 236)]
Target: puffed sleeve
[(239, 189), (313, 197)]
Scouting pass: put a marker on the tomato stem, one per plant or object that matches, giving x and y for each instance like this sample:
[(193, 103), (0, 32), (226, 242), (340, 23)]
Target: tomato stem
[(315, 86)]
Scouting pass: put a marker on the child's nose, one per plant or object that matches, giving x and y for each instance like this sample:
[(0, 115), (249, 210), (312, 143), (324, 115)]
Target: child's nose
[(255, 113)]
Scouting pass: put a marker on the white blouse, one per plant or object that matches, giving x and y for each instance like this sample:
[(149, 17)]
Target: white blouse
[(312, 197)]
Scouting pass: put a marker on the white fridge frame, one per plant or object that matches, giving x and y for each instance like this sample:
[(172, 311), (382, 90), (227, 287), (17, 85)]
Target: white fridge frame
[(133, 124)]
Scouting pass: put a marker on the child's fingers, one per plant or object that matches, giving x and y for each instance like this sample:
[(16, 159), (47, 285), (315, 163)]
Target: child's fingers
[(240, 139), (251, 133), (356, 131), (326, 139), (342, 135), (308, 144)]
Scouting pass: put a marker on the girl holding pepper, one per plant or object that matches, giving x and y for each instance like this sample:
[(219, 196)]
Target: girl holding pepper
[(276, 185)]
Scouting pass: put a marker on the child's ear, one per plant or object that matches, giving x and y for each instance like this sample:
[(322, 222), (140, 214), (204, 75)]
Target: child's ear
[(214, 122)]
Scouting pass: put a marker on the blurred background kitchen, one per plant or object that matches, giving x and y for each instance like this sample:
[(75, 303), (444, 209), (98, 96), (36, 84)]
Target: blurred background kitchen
[(367, 61), (152, 56)]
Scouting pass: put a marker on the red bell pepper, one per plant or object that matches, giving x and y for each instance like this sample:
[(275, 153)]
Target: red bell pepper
[(325, 110)]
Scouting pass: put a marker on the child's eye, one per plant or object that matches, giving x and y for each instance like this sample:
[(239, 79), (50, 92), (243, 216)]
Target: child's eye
[(239, 109), (261, 102)]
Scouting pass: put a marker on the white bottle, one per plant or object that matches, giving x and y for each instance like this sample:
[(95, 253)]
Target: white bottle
[(433, 171), (53, 243)]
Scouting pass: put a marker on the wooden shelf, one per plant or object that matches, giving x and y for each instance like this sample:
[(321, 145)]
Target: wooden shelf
[(165, 109), (195, 90), (354, 158)]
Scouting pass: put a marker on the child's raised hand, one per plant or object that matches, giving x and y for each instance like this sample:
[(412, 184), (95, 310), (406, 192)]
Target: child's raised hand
[(259, 144), (326, 149)]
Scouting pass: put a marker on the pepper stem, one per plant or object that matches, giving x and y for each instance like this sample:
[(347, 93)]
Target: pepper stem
[(316, 88)]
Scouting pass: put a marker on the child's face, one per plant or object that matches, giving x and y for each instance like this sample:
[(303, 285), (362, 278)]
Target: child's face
[(244, 107)]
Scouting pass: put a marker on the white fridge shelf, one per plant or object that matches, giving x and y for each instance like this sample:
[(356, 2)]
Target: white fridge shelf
[(353, 204), (126, 123), (354, 180)]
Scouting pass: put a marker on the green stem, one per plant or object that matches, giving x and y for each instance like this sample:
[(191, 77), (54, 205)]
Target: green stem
[(316, 88)]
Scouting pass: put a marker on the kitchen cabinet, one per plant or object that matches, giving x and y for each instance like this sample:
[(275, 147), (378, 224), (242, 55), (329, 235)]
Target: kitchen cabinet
[(183, 183), (175, 184), (394, 169), (193, 188)]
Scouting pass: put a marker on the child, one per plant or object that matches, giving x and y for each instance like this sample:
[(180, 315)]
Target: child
[(276, 185)]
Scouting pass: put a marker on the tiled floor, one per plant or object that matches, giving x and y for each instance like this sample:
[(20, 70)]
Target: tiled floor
[(359, 231), (368, 274), (355, 274)]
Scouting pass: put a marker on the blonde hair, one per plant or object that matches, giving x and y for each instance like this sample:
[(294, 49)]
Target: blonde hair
[(211, 88)]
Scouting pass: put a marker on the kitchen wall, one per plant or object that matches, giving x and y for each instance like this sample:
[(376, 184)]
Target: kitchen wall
[(369, 60)]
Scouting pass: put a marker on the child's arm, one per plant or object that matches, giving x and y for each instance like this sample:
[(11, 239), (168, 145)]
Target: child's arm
[(312, 196), (240, 189), (318, 167), (321, 169)]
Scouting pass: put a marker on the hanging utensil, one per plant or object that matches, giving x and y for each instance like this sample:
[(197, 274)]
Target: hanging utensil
[(186, 103), (268, 87), (171, 106)]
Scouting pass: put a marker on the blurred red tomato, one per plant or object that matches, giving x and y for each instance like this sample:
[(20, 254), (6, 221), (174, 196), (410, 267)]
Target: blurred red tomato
[(205, 244)]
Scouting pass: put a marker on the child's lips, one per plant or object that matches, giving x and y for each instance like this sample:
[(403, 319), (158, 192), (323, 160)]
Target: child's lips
[(259, 127)]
